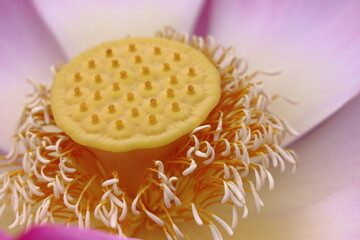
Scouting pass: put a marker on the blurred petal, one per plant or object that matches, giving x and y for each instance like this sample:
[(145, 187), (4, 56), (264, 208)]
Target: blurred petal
[(329, 160), (316, 44), (71, 233), (89, 22), (202, 23), (334, 217), (27, 50), (4, 236)]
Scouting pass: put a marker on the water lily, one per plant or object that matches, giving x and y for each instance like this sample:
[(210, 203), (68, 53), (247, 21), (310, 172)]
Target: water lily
[(316, 45)]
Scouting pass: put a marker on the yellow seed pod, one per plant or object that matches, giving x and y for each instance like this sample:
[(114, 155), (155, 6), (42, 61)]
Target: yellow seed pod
[(134, 93)]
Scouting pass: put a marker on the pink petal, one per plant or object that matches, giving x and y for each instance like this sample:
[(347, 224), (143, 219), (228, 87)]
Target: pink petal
[(4, 236), (70, 233), (89, 22), (329, 161), (315, 43), (332, 218), (27, 49)]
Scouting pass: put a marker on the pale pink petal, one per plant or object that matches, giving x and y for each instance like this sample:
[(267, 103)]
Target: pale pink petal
[(83, 23), (335, 217), (70, 233), (329, 160), (27, 50), (316, 44), (332, 218), (4, 236)]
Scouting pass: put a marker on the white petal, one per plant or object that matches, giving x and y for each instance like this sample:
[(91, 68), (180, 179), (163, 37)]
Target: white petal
[(334, 217), (316, 44), (27, 50), (329, 160), (81, 24)]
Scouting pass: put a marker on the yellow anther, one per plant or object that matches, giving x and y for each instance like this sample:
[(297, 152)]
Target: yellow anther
[(152, 119), (109, 52), (145, 70), (116, 86), (83, 107), (130, 96), (119, 124), (148, 85), (135, 112), (115, 63), (192, 72), (177, 57), (170, 93), (77, 77), (94, 119), (98, 78), (92, 64), (77, 91), (138, 59), (191, 89), (123, 74), (153, 102), (97, 95), (175, 107), (166, 67), (132, 47), (111, 108), (157, 50), (173, 80)]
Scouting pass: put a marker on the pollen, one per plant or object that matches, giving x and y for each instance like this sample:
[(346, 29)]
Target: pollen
[(143, 76)]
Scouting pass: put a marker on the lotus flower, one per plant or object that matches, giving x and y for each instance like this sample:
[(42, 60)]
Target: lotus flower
[(314, 44)]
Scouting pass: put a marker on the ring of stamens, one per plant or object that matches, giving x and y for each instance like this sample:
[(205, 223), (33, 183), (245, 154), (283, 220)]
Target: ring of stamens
[(225, 161)]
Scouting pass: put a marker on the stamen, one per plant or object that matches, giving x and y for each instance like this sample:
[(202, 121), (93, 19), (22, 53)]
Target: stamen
[(110, 182), (196, 215), (223, 224)]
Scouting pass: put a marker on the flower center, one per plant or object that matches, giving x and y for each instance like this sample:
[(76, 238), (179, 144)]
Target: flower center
[(145, 143), (131, 100), (134, 93)]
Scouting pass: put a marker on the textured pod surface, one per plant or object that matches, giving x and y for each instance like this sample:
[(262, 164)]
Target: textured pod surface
[(134, 93)]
